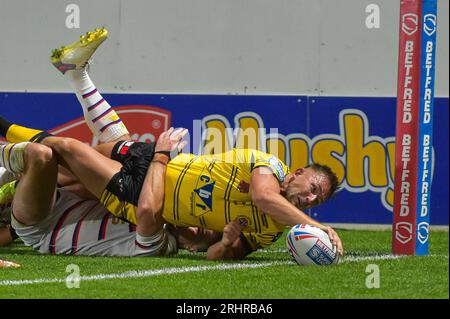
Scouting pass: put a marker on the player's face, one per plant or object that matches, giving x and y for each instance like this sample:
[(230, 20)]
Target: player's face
[(306, 188)]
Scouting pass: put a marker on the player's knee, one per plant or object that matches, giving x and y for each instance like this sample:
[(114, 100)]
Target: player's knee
[(65, 145), (38, 154)]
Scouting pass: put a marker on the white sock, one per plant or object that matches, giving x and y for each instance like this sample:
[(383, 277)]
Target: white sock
[(100, 117), (6, 176), (12, 156)]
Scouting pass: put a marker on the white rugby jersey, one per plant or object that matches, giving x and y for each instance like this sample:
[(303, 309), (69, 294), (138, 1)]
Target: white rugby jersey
[(78, 226)]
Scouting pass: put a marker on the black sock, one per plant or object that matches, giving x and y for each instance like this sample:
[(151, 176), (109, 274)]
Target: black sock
[(4, 126), (39, 137)]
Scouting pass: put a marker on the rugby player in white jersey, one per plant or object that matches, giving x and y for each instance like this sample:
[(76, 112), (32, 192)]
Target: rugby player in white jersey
[(57, 221), (77, 224)]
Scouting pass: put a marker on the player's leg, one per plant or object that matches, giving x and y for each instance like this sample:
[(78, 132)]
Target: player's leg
[(106, 148), (88, 166), (15, 134), (73, 61), (117, 187), (69, 182), (92, 168), (34, 194)]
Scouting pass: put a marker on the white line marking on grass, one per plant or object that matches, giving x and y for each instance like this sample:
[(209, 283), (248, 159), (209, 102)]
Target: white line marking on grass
[(171, 271), (347, 258), (276, 250), (145, 273), (357, 256), (350, 258), (353, 258)]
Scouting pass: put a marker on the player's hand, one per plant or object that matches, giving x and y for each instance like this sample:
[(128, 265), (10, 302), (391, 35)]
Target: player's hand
[(171, 139), (231, 232), (335, 240)]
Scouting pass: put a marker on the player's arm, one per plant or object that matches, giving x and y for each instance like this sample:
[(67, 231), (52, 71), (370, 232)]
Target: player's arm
[(266, 196), (231, 246), (151, 198), (6, 236)]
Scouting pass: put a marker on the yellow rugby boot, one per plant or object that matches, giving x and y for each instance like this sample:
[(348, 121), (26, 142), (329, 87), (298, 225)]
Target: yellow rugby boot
[(7, 192), (76, 56), (6, 176)]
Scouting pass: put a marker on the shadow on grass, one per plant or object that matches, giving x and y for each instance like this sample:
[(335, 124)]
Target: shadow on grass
[(368, 254), (18, 248)]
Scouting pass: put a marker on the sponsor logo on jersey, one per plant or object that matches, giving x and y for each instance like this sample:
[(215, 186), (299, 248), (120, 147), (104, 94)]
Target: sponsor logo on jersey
[(124, 147), (278, 167), (244, 221), (201, 197)]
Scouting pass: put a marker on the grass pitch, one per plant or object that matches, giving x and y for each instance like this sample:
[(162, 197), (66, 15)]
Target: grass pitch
[(266, 274)]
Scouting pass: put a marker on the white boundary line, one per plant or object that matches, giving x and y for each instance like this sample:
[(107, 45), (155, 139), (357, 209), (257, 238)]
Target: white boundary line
[(171, 271), (379, 226), (145, 273), (356, 255)]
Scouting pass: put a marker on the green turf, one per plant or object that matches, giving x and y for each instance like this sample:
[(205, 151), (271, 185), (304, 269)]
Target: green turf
[(406, 277)]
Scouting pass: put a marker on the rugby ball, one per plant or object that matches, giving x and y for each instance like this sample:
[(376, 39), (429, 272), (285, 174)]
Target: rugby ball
[(309, 245)]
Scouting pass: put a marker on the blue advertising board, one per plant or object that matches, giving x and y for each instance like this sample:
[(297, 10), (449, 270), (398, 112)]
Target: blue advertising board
[(355, 136)]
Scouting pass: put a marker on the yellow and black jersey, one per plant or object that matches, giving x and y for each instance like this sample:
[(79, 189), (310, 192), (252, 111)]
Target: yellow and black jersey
[(204, 191), (209, 191)]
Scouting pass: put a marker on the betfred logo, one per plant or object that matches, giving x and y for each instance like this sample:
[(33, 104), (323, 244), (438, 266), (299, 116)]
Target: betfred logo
[(410, 23), (423, 231), (429, 24), (403, 232), (145, 124)]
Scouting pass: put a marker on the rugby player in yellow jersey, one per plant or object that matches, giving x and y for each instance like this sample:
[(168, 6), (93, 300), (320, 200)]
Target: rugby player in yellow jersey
[(242, 188), (260, 192)]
